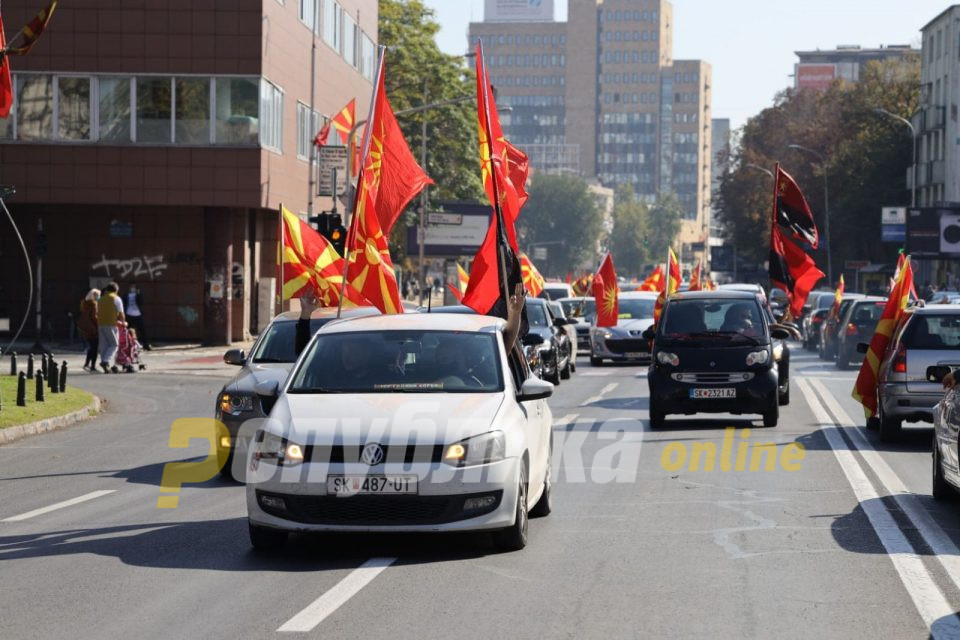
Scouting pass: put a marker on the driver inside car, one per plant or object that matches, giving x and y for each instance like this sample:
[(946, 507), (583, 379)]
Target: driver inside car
[(740, 319)]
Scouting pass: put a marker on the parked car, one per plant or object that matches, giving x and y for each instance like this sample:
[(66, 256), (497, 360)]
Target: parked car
[(583, 310), (334, 456), (781, 354), (569, 326), (713, 353), (943, 297), (811, 328), (827, 349), (625, 342), (556, 347), (857, 325), (556, 290), (925, 337)]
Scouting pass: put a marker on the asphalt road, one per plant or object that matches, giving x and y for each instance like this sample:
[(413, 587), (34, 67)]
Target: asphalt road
[(849, 545)]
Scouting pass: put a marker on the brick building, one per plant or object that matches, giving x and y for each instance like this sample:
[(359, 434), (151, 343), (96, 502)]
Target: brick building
[(154, 142)]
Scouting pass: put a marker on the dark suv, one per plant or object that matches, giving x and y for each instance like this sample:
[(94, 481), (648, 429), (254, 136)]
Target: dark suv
[(856, 326), (713, 353)]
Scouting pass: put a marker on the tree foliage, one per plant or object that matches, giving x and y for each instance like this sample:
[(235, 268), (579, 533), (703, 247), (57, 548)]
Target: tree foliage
[(628, 240), (663, 226), (561, 212), (866, 155)]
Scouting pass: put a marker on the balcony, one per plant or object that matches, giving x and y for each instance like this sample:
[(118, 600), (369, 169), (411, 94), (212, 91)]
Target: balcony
[(930, 173), (929, 119)]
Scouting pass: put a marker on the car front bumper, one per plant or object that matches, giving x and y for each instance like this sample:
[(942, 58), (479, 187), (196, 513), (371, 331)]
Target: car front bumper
[(622, 350), (753, 396), (438, 505)]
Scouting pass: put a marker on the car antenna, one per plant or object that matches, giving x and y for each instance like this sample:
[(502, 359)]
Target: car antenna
[(430, 299)]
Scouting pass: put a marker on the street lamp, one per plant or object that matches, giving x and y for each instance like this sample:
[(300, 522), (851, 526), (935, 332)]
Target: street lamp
[(826, 203), (913, 144), (750, 165)]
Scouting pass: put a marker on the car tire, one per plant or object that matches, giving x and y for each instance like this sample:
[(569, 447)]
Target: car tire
[(772, 416), (266, 540), (784, 397), (226, 471), (545, 504), (941, 489), (657, 418), (889, 427), (514, 537), (596, 362), (573, 365), (843, 360), (873, 423), (565, 373)]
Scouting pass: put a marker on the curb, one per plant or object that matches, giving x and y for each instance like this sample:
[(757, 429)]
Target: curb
[(12, 434)]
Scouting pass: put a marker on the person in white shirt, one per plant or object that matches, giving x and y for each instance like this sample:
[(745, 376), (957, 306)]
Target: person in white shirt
[(134, 312)]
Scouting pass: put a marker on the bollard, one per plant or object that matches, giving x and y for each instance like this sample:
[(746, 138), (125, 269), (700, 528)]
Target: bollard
[(13, 363), (22, 390), (39, 393), (54, 377), (43, 364), (29, 366), (63, 376), (50, 373)]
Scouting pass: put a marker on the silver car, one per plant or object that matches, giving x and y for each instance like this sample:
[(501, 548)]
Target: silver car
[(925, 337), (625, 341)]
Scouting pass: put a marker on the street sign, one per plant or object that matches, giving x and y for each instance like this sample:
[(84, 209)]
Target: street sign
[(853, 265), (539, 253), (893, 233), (931, 232), (445, 218), (893, 215), (457, 231), (328, 159)]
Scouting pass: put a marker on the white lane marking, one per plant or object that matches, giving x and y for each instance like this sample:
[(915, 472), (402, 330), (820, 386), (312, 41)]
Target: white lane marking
[(318, 610), (595, 373), (926, 595), (947, 552), (570, 418), (597, 398), (59, 505)]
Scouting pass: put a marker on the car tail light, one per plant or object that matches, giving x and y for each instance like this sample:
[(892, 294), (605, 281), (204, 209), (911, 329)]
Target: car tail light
[(851, 329), (900, 360), (817, 319)]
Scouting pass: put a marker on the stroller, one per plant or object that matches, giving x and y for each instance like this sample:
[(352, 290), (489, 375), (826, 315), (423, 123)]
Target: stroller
[(128, 351)]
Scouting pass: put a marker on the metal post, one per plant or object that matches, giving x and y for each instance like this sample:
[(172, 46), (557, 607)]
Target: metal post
[(13, 363), (422, 230), (29, 366), (38, 394), (311, 182), (63, 376), (22, 390), (54, 378)]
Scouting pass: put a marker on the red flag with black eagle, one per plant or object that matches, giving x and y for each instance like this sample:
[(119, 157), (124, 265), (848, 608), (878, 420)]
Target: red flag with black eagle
[(792, 270), (790, 209)]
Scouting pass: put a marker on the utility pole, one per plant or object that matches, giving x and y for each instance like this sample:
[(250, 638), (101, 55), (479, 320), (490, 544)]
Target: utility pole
[(422, 231), (311, 181)]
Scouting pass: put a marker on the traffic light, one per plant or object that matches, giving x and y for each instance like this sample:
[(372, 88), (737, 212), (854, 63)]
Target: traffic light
[(331, 227)]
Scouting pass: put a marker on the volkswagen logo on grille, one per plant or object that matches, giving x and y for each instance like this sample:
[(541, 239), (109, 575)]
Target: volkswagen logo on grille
[(372, 454)]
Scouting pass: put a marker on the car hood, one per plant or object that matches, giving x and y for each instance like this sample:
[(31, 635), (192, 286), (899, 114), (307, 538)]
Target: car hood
[(249, 376), (387, 418)]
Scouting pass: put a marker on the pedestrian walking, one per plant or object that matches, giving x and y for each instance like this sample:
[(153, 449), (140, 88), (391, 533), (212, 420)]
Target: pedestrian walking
[(87, 325), (109, 313), (134, 312)]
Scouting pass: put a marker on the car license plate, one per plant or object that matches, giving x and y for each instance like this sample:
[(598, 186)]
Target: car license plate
[(365, 485), (637, 354), (709, 394)]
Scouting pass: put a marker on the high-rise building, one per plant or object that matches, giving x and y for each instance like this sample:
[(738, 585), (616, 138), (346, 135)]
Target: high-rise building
[(818, 69), (600, 95)]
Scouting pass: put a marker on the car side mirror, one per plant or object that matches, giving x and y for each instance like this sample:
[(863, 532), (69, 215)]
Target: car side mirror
[(649, 333), (534, 389), (236, 357), (267, 388), (937, 373), (531, 340), (863, 347), (779, 334)]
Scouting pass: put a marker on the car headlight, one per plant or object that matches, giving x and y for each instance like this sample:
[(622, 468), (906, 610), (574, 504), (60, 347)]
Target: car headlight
[(778, 351), (235, 404), (269, 446), (606, 334), (482, 449), (757, 357), (665, 357)]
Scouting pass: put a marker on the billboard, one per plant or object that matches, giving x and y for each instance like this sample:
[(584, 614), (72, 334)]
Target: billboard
[(815, 76), (518, 11), (934, 232), (457, 231)]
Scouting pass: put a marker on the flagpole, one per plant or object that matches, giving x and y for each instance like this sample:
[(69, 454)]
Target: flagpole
[(497, 209), (280, 259), (351, 212)]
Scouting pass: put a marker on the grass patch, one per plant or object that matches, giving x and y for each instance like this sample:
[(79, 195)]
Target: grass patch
[(56, 404)]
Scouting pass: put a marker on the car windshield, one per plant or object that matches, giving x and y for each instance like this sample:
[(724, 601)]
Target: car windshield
[(279, 342), (537, 315), (940, 332), (400, 362), (633, 308), (712, 319), (580, 308)]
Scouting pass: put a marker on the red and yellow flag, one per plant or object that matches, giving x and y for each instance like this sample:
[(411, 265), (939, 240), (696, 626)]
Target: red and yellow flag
[(670, 285), (695, 284), (605, 293), (342, 123), (865, 388), (31, 31), (532, 280), (310, 263), (581, 286), (654, 281), (837, 298), (461, 287), (390, 178)]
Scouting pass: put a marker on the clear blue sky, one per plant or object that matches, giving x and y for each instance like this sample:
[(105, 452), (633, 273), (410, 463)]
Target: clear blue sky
[(750, 43)]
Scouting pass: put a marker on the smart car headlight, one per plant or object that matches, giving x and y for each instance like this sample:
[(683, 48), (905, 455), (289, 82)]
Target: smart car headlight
[(482, 449), (665, 357), (758, 357), (778, 351)]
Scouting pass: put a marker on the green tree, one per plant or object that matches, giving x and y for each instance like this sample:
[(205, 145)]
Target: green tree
[(561, 212), (663, 225), (628, 240)]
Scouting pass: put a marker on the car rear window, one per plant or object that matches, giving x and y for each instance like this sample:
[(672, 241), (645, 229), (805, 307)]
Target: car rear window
[(867, 312), (941, 332)]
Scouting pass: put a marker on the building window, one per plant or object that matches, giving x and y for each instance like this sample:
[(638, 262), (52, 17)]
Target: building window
[(192, 113), (237, 111), (73, 108), (332, 17), (368, 57), (307, 128), (154, 103), (308, 13), (114, 109), (350, 40), (271, 116), (34, 107)]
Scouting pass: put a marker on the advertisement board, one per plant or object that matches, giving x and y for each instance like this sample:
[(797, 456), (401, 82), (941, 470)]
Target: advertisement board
[(458, 231), (933, 232), (815, 76), (518, 11)]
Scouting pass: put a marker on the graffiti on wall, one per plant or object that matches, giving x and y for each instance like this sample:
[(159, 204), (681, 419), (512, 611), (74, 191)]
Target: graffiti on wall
[(136, 267)]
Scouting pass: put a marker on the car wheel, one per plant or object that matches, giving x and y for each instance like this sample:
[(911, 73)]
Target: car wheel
[(514, 537), (784, 396), (873, 423), (771, 417), (843, 360), (596, 362), (821, 351), (657, 417), (545, 504), (226, 471), (266, 540), (941, 488), (889, 428), (565, 373)]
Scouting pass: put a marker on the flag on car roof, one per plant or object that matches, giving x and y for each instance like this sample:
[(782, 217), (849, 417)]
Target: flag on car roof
[(865, 388), (670, 284), (389, 179), (654, 281), (790, 209), (792, 270), (461, 287), (605, 293), (695, 284), (837, 298), (310, 263), (532, 280)]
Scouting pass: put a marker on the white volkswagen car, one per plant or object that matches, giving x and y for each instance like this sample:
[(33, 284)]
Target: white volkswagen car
[(414, 422)]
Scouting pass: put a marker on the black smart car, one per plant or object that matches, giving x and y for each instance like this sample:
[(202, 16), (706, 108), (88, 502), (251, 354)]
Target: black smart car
[(713, 353)]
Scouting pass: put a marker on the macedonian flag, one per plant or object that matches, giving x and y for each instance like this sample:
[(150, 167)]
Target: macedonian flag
[(31, 31), (670, 284), (695, 284), (865, 388), (605, 293), (654, 281), (310, 263), (532, 280)]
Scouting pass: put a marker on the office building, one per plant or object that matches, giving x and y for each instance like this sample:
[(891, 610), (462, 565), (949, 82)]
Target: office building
[(818, 69)]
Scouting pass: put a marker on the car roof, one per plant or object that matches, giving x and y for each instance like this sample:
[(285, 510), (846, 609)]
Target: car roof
[(740, 286), (575, 299), (418, 321), (638, 295), (719, 294), (871, 299), (449, 308), (935, 309), (328, 313)]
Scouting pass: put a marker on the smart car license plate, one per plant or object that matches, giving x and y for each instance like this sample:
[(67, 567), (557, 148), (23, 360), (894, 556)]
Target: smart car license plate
[(637, 354), (365, 485), (710, 394)]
